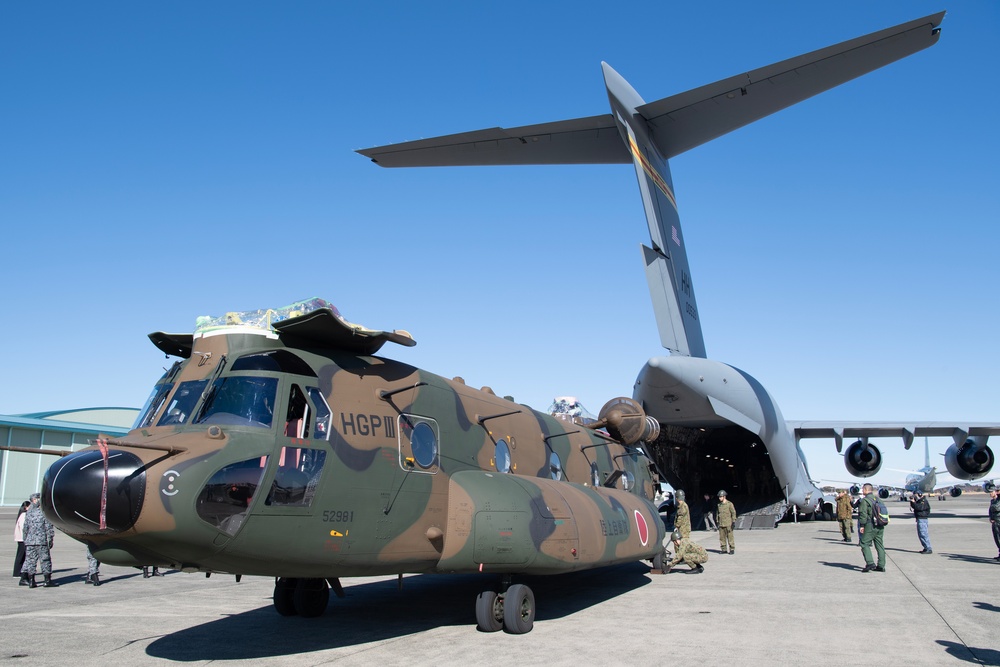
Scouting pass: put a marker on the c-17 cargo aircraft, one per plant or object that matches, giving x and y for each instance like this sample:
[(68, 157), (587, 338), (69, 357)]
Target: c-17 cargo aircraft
[(720, 426), (281, 445)]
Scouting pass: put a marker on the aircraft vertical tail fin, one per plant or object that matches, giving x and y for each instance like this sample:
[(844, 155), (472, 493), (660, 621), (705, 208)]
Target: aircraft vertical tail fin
[(667, 272)]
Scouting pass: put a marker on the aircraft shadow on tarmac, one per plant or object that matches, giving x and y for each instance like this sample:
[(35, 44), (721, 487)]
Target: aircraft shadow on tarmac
[(378, 611), (986, 606), (979, 656), (76, 577)]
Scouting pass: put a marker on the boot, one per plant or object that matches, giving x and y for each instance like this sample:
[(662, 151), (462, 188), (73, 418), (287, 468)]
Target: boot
[(24, 580), (145, 573), (31, 581), (95, 579), (48, 582), (156, 572), (87, 580)]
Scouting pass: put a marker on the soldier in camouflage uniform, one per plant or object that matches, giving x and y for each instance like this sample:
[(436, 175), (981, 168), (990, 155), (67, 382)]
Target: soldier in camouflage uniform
[(691, 553), (38, 535), (845, 511), (683, 521), (727, 521), (93, 569)]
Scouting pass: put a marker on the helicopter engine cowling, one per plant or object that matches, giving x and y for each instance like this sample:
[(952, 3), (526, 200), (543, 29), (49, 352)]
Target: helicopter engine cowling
[(970, 461), (862, 460), (627, 422)]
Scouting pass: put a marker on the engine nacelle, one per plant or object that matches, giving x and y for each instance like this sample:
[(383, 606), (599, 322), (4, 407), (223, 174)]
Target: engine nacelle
[(862, 460), (883, 493), (970, 461), (955, 492), (626, 422)]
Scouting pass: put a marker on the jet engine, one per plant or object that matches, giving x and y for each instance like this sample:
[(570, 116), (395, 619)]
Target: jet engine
[(883, 493), (970, 461), (863, 460), (955, 492), (627, 422)]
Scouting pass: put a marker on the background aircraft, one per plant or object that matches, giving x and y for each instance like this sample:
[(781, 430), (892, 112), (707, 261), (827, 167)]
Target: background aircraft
[(720, 427)]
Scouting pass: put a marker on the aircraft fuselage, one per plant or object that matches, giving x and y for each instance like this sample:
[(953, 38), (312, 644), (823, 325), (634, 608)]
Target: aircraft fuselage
[(255, 457)]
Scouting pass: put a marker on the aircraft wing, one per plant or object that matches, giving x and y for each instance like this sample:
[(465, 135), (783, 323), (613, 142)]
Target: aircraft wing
[(959, 432), (678, 123)]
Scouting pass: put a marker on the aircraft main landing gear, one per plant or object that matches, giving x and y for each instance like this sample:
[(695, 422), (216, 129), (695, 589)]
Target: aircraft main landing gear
[(300, 597), (513, 610)]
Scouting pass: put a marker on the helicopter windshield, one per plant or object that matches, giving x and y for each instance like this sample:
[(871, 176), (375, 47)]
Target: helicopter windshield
[(240, 401)]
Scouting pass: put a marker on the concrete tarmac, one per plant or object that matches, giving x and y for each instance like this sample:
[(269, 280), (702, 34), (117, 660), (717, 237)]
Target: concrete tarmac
[(794, 595)]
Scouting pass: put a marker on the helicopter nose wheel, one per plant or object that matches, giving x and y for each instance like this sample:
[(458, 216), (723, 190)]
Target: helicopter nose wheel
[(513, 611)]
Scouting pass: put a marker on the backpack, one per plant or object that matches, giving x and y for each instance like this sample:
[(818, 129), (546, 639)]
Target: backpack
[(880, 515)]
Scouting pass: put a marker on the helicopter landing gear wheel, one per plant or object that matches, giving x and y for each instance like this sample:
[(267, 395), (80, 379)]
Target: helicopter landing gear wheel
[(311, 597), (518, 609), (284, 596), (489, 612)]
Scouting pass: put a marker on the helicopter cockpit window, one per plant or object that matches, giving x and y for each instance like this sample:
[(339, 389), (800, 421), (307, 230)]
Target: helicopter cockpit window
[(240, 401), (279, 361), (182, 403), (323, 414), (153, 405), (227, 496), (295, 481)]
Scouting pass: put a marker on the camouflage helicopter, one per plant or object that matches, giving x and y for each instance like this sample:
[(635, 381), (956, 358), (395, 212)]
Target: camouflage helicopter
[(280, 446)]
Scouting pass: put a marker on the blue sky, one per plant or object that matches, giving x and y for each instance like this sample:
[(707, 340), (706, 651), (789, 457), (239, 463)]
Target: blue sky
[(162, 161)]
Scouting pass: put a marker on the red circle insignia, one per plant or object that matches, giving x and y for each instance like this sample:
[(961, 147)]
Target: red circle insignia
[(640, 524)]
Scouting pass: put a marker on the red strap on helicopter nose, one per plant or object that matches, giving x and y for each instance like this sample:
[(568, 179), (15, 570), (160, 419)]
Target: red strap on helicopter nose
[(102, 445)]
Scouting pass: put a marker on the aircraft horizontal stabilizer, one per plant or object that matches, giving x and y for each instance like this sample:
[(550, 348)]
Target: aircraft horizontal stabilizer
[(690, 119), (592, 140)]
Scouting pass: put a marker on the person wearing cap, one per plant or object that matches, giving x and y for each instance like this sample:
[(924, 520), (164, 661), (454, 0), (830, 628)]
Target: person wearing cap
[(727, 521), (921, 512), (688, 552), (38, 536), (682, 523), (845, 512), (994, 515)]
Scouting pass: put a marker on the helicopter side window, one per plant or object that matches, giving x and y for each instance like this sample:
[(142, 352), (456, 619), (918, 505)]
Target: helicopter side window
[(323, 414), (297, 417), (298, 474), (240, 401), (225, 499), (182, 403)]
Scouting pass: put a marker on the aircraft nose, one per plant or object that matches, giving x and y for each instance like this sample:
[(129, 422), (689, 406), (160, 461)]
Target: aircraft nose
[(72, 489)]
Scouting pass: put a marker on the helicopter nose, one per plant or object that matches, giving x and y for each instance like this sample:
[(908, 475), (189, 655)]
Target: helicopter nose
[(72, 490)]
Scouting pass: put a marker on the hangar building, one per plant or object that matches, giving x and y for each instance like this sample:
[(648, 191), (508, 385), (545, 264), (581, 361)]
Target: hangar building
[(21, 472)]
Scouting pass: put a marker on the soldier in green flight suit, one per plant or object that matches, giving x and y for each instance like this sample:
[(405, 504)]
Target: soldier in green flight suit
[(691, 553), (869, 532), (683, 521)]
